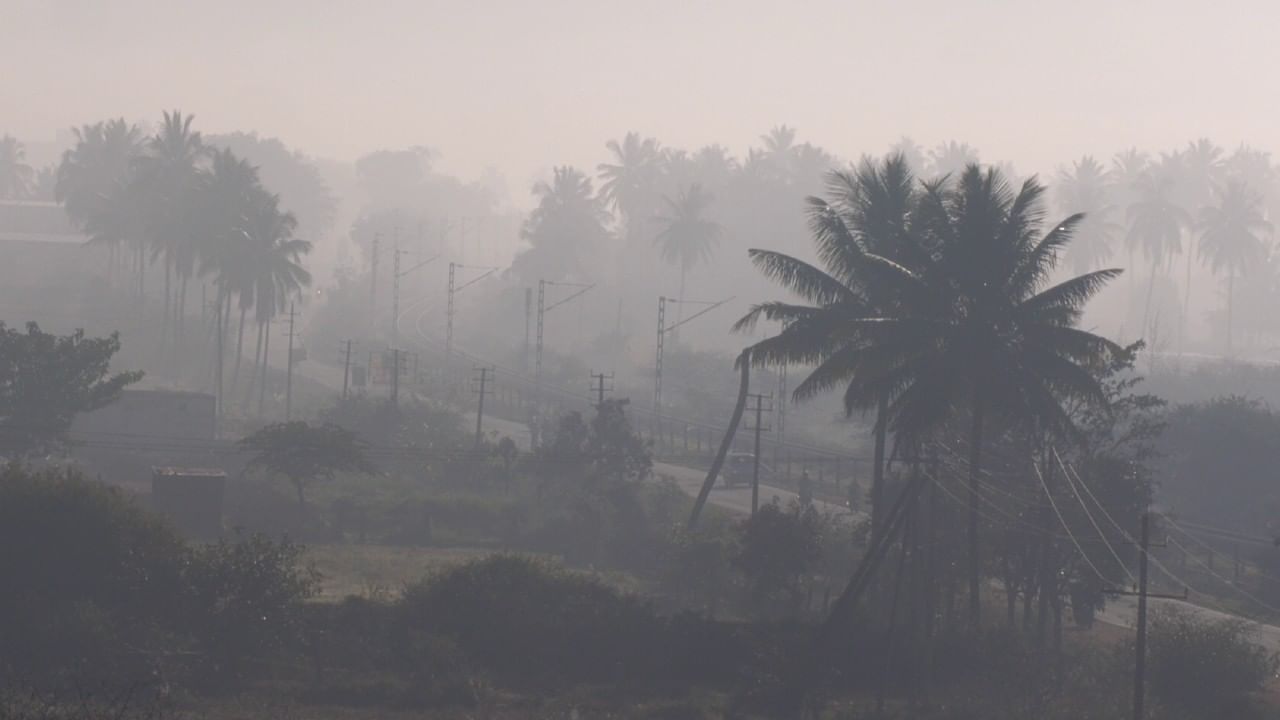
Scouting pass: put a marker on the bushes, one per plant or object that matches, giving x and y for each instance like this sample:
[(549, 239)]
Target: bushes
[(1210, 668), (100, 591), (526, 620), (87, 573)]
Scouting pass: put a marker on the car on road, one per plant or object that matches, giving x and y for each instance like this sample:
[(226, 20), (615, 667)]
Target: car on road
[(738, 469)]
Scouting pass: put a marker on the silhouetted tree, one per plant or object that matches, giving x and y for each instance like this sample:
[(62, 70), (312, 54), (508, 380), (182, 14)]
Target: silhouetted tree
[(305, 454), (686, 236), (46, 379), (1232, 238), (16, 175)]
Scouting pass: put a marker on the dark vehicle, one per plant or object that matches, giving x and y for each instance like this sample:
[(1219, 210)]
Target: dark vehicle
[(738, 468)]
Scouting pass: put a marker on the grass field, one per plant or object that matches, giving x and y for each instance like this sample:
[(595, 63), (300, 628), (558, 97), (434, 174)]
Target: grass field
[(379, 570)]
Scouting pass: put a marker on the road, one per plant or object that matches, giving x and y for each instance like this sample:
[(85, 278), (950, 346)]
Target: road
[(1123, 612), (736, 500)]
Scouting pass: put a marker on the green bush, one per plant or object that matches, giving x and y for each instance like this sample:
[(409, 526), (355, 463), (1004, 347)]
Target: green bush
[(89, 575), (103, 592), (1207, 667), (528, 621)]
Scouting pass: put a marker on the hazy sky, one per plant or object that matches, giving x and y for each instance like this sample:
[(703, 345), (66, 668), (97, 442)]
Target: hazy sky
[(525, 85)]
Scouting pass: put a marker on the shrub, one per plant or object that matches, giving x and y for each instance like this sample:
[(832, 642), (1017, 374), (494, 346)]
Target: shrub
[(526, 620), (1210, 668), (243, 600), (104, 593), (88, 573)]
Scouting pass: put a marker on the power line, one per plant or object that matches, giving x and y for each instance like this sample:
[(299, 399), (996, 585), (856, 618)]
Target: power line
[(1066, 527), (1115, 555)]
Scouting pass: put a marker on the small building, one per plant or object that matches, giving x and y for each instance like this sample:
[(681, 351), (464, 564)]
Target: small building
[(191, 499)]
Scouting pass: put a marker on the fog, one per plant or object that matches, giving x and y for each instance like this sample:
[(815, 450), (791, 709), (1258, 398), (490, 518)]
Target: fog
[(669, 359)]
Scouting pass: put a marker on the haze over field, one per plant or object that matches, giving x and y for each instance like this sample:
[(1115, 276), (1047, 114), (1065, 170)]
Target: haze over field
[(584, 358), (523, 86)]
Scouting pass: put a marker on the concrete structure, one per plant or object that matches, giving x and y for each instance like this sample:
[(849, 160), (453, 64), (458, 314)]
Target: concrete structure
[(191, 498)]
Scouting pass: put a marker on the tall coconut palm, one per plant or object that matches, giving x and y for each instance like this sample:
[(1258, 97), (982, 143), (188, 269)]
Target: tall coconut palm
[(231, 197), (1233, 237), (866, 212), (951, 158), (94, 182), (169, 173), (912, 152), (277, 272), (564, 230), (972, 328), (1156, 223), (630, 183), (686, 236), (1125, 176), (16, 175), (1085, 189)]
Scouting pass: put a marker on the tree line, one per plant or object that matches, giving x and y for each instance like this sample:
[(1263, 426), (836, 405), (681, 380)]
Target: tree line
[(197, 211)]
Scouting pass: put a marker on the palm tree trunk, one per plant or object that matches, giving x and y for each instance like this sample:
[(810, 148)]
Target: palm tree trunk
[(744, 363), (877, 471), (181, 319), (675, 334), (217, 359), (164, 318), (1231, 281), (975, 476), (235, 372), (1146, 312), (266, 365), (253, 375), (1186, 302)]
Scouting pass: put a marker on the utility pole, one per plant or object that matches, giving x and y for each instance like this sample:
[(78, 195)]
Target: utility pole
[(346, 370), (448, 331), (528, 316), (480, 387), (663, 329), (597, 384), (395, 288), (1140, 647), (538, 349), (543, 309), (288, 373), (454, 289), (395, 377), (659, 347), (373, 282), (759, 407)]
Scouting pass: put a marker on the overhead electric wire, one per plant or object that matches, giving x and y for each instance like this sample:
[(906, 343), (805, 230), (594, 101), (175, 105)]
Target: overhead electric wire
[(1071, 484), (1066, 527), (1243, 593)]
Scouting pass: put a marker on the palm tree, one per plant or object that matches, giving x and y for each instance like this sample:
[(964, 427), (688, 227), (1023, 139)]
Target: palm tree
[(1085, 190), (951, 158), (94, 182), (169, 174), (1232, 237), (971, 326), (278, 274), (566, 227), (231, 195), (1155, 226), (630, 182), (1125, 175), (15, 174), (912, 152), (867, 212), (687, 236)]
